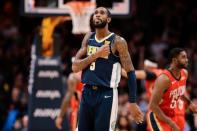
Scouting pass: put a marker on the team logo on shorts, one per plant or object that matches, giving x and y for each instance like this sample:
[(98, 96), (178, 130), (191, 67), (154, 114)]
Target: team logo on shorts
[(113, 125)]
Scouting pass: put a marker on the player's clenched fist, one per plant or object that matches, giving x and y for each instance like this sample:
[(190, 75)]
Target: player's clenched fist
[(103, 51)]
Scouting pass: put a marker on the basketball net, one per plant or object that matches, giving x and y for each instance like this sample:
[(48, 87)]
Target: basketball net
[(80, 12)]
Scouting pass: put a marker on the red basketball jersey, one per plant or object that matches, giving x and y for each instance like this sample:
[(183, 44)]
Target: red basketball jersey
[(171, 102)]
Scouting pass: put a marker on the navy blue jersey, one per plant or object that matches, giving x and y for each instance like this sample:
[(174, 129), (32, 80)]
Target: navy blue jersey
[(104, 71)]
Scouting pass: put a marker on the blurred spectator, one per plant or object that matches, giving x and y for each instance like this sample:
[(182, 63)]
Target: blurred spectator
[(21, 124)]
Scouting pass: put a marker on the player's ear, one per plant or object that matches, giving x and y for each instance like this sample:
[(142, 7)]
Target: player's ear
[(108, 20), (174, 59)]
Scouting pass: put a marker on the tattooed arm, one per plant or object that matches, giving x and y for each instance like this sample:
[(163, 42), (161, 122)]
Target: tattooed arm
[(121, 47), (80, 62)]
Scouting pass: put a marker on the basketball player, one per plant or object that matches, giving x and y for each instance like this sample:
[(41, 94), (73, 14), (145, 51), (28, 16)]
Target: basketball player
[(72, 96), (168, 96), (100, 58)]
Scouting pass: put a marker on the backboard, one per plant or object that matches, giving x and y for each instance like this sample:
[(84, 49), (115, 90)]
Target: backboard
[(118, 8)]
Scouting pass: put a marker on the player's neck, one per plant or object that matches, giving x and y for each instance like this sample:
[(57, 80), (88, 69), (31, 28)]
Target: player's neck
[(176, 71), (102, 33)]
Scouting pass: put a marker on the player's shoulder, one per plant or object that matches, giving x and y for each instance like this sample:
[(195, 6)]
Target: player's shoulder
[(119, 39), (88, 35), (120, 44), (163, 78), (86, 38), (163, 82), (185, 72)]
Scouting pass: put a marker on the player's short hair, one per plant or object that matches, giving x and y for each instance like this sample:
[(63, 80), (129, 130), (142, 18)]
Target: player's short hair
[(108, 12), (174, 53)]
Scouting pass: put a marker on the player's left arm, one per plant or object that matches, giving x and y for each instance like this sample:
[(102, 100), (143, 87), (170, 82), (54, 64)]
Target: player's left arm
[(122, 48), (141, 74), (72, 83), (187, 100)]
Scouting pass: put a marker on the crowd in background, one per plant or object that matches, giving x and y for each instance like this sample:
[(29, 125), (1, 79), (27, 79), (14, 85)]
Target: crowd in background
[(154, 28)]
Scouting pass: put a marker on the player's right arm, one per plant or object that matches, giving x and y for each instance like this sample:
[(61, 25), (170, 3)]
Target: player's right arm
[(161, 85), (81, 62)]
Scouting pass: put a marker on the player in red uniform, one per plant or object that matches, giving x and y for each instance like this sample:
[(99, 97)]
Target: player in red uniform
[(168, 96), (71, 100)]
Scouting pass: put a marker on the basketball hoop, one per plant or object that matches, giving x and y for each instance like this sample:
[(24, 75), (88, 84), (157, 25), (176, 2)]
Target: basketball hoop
[(80, 12)]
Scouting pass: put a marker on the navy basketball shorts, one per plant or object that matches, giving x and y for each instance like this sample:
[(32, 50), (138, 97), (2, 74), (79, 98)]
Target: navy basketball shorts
[(98, 109)]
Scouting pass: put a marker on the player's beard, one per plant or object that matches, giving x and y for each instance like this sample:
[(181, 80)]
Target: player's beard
[(181, 65), (100, 25)]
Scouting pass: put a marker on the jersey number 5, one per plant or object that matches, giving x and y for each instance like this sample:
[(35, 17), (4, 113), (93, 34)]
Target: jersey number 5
[(174, 103), (92, 66)]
